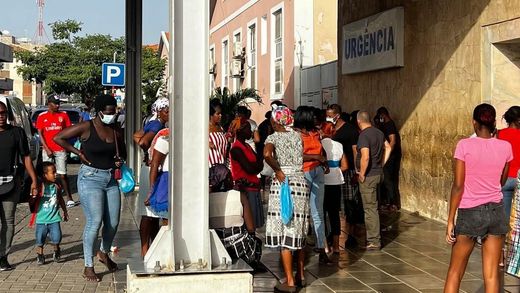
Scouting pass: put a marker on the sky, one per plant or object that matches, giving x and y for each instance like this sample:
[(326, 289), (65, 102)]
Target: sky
[(20, 17)]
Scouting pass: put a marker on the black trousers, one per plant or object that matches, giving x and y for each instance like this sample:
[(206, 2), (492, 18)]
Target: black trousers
[(332, 206), (390, 186)]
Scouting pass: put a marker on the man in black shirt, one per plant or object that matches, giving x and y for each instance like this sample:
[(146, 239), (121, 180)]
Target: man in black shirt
[(347, 135), (392, 166)]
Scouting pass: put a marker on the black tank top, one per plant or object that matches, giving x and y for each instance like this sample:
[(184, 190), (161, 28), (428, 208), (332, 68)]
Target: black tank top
[(100, 153)]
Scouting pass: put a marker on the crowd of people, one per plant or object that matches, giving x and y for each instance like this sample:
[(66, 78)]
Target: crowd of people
[(321, 160)]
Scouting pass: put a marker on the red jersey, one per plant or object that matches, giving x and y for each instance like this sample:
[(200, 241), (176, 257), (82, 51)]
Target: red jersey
[(50, 124), (512, 135)]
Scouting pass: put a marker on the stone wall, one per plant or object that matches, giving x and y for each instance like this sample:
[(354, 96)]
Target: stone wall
[(432, 97)]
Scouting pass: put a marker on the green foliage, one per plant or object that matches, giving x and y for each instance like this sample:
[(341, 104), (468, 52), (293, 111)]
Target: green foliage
[(230, 102), (74, 65), (63, 30), (152, 73)]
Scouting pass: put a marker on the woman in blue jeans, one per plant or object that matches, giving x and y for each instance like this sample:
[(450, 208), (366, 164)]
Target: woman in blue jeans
[(315, 166), (97, 187)]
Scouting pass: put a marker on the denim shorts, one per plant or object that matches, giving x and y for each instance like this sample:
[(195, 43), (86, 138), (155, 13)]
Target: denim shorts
[(482, 220), (53, 230)]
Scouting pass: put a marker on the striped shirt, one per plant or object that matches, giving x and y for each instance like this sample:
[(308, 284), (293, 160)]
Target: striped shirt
[(217, 155)]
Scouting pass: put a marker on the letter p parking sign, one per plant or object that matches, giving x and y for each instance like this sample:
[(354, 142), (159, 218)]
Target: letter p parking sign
[(113, 74)]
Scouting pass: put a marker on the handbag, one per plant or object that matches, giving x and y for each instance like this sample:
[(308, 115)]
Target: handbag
[(159, 196), (123, 174), (77, 145), (286, 202), (267, 170), (220, 179)]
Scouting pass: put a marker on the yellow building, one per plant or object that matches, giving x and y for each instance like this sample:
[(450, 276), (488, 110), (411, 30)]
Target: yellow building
[(455, 55)]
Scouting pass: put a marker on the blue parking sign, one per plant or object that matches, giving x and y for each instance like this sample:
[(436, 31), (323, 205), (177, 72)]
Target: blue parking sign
[(113, 74)]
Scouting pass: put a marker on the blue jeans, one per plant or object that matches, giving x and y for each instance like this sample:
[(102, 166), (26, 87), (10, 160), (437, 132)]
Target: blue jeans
[(316, 180), (509, 190), (53, 230), (101, 202)]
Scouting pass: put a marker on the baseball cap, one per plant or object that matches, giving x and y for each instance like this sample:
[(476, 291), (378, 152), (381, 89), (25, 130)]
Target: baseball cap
[(53, 98)]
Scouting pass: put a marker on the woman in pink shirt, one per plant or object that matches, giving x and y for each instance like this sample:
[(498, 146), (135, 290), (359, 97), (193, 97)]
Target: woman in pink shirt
[(481, 168)]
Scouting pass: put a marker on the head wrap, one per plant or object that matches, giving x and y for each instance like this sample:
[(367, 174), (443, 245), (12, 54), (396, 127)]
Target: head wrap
[(159, 105), (283, 116)]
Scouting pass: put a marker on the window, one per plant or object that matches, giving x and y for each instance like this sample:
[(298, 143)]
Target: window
[(237, 49), (211, 69), (263, 35), (277, 52), (225, 63), (251, 55)]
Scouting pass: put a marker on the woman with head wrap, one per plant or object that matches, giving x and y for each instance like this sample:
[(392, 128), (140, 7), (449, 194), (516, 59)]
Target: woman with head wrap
[(283, 151), (98, 189), (149, 225)]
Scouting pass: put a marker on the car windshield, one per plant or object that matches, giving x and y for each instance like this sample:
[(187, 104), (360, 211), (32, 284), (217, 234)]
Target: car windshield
[(73, 115)]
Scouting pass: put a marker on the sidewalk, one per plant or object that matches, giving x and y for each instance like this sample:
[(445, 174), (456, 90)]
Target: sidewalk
[(415, 258)]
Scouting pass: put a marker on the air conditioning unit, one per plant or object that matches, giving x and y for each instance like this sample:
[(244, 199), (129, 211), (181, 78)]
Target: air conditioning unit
[(236, 68), (237, 50)]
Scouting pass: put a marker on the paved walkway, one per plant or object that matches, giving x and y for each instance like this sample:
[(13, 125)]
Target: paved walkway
[(414, 259)]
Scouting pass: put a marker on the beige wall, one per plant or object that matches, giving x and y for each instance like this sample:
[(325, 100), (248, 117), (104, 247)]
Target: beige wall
[(260, 8), (325, 35), (432, 97)]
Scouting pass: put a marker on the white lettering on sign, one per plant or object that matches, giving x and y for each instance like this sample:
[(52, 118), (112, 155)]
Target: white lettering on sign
[(375, 42), (112, 71)]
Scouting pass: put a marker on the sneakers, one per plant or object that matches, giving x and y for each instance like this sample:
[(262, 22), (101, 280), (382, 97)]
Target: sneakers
[(72, 203), (4, 264), (56, 256), (40, 259)]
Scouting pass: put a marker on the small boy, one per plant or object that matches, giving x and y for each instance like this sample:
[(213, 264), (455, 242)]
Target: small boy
[(48, 217)]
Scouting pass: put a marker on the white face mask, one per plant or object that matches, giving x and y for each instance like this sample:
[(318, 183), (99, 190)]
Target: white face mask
[(329, 119), (107, 119)]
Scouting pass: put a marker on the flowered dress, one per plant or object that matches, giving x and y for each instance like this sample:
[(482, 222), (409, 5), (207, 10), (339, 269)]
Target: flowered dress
[(289, 154)]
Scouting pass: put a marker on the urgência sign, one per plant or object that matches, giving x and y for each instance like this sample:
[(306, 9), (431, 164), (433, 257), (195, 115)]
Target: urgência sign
[(375, 42)]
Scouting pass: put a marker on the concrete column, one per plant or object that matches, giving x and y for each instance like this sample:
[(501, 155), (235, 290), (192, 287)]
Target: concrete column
[(133, 98)]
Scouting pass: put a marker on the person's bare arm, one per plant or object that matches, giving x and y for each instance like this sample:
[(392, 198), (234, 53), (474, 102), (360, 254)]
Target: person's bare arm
[(78, 130), (145, 141), (392, 140), (354, 152), (343, 163), (365, 158), (256, 136), (387, 150), (44, 144), (27, 162), (271, 161), (503, 178), (63, 207), (457, 189)]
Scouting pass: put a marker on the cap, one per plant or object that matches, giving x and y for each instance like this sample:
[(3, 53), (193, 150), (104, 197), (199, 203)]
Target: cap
[(53, 98)]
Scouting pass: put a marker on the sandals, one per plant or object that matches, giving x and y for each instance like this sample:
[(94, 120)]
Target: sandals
[(110, 264), (90, 276), (283, 287)]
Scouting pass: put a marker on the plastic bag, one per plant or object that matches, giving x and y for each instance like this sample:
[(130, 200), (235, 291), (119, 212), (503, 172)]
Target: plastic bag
[(127, 182), (286, 202), (77, 145)]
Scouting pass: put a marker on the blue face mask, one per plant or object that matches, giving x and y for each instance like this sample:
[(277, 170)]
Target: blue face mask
[(107, 119)]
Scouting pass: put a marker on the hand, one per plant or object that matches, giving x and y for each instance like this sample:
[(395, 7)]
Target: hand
[(34, 189), (361, 178), (48, 151), (118, 163), (280, 176), (450, 233), (326, 168), (65, 216), (84, 159)]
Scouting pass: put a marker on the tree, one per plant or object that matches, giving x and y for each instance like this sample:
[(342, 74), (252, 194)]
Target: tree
[(230, 102), (73, 65), (152, 73)]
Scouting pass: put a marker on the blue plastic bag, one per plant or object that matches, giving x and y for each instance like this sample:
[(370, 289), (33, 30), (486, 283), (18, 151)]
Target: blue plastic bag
[(286, 202), (127, 181), (160, 195), (77, 145)]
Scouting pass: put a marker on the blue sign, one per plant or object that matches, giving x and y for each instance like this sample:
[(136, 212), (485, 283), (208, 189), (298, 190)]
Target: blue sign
[(113, 74)]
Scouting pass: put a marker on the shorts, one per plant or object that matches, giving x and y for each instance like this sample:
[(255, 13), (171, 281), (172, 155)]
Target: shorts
[(53, 230), (482, 220), (59, 159)]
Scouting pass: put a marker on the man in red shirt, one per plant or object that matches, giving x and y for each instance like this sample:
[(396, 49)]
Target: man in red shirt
[(49, 124)]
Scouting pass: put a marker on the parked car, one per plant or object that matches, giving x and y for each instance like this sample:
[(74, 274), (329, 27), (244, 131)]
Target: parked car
[(19, 116)]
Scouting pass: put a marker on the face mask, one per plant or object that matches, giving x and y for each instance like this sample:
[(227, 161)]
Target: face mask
[(329, 119), (107, 119)]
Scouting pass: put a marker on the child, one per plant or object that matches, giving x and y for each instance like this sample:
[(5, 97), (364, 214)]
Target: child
[(48, 217)]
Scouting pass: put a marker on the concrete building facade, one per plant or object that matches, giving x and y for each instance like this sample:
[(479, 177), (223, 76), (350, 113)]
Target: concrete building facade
[(262, 44), (457, 54)]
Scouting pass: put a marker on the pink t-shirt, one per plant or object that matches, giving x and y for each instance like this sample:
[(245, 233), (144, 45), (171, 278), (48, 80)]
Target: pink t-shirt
[(484, 161)]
